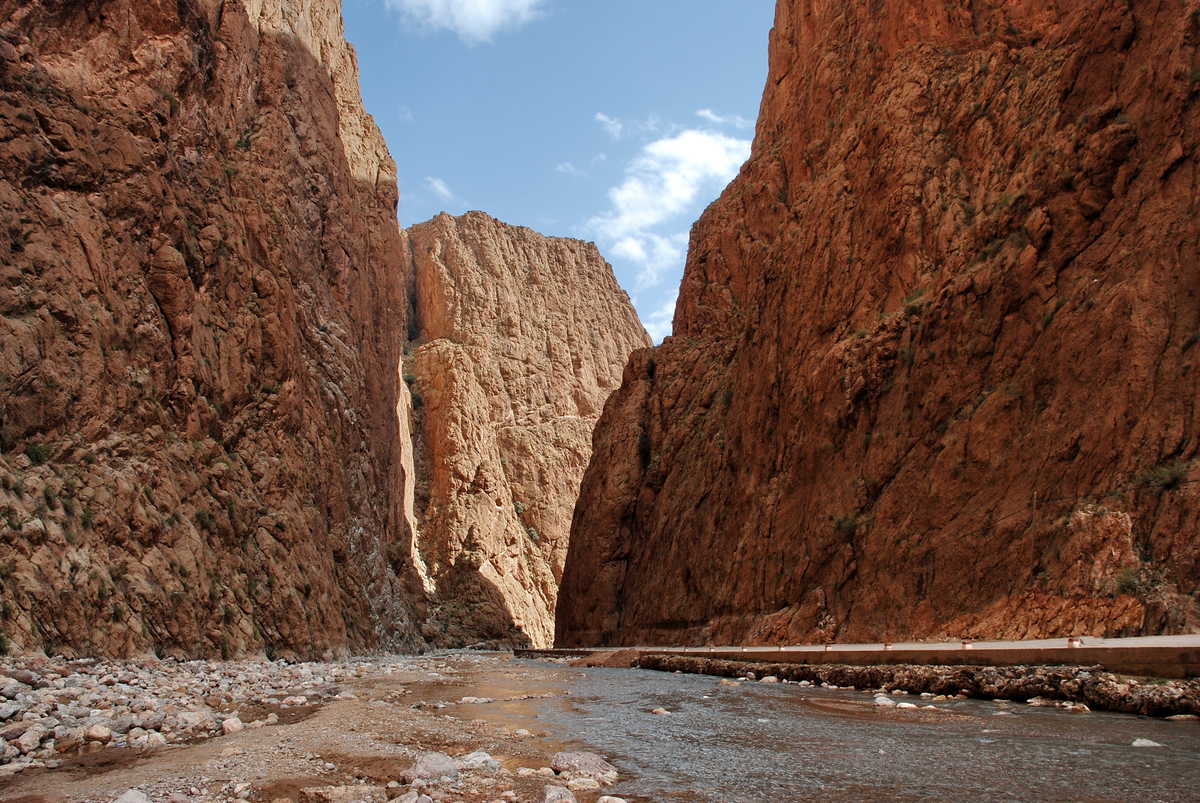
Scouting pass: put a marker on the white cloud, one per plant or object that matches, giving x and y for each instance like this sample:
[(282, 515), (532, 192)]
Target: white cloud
[(735, 120), (654, 253), (473, 20), (666, 178), (569, 169), (439, 187), (662, 182), (660, 322), (612, 125)]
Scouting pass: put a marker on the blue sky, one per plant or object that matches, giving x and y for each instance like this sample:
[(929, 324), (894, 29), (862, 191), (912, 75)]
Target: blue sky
[(616, 121)]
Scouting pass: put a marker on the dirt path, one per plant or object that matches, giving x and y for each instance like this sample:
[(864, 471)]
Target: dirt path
[(373, 739)]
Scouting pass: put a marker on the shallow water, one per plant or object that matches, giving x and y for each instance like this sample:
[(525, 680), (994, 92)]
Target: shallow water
[(766, 742)]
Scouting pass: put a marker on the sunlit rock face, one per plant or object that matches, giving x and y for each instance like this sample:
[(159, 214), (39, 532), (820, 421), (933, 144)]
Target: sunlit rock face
[(519, 341), (202, 316), (934, 368)]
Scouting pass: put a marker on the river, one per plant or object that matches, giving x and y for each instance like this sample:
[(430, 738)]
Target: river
[(775, 742)]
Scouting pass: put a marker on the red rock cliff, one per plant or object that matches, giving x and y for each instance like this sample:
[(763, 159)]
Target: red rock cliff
[(521, 339), (201, 285), (936, 351)]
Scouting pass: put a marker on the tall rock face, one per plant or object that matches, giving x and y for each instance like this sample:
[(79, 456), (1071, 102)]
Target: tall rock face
[(520, 339), (935, 363), (201, 285)]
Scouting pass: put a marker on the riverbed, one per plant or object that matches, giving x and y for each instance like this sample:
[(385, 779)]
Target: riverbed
[(718, 740)]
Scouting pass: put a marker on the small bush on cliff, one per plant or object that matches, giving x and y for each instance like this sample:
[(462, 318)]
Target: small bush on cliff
[(37, 453), (519, 507), (205, 520), (1167, 477), (845, 525), (1140, 581)]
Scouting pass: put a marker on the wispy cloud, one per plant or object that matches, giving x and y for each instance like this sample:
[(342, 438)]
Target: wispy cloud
[(405, 114), (655, 254), (474, 21), (612, 126), (661, 183), (660, 322), (736, 121), (569, 169), (440, 188)]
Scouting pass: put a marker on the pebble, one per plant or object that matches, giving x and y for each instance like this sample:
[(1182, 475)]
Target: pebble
[(659, 711), (1146, 743)]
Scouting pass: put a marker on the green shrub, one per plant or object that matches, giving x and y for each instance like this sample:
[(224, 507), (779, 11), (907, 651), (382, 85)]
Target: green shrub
[(519, 507), (1167, 477), (37, 453), (846, 525), (1140, 581)]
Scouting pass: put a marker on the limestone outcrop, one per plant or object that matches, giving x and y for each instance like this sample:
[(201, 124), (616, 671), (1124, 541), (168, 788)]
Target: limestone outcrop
[(519, 341), (935, 364), (201, 285)]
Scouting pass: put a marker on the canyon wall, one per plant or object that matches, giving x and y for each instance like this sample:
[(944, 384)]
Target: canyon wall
[(519, 340), (935, 362), (202, 315)]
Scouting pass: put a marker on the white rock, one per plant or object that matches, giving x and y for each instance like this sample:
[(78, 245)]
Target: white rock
[(232, 725), (769, 679), (1146, 743), (132, 796), (433, 765), (582, 764), (884, 701), (610, 799), (905, 705), (479, 760)]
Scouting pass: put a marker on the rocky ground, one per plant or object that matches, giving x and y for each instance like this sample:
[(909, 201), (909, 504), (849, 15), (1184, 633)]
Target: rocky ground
[(373, 730)]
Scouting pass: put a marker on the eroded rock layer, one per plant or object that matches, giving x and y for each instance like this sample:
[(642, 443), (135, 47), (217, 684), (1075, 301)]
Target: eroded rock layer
[(521, 338), (935, 360), (202, 308)]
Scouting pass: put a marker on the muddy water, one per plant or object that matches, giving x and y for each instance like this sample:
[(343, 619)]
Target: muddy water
[(761, 742)]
